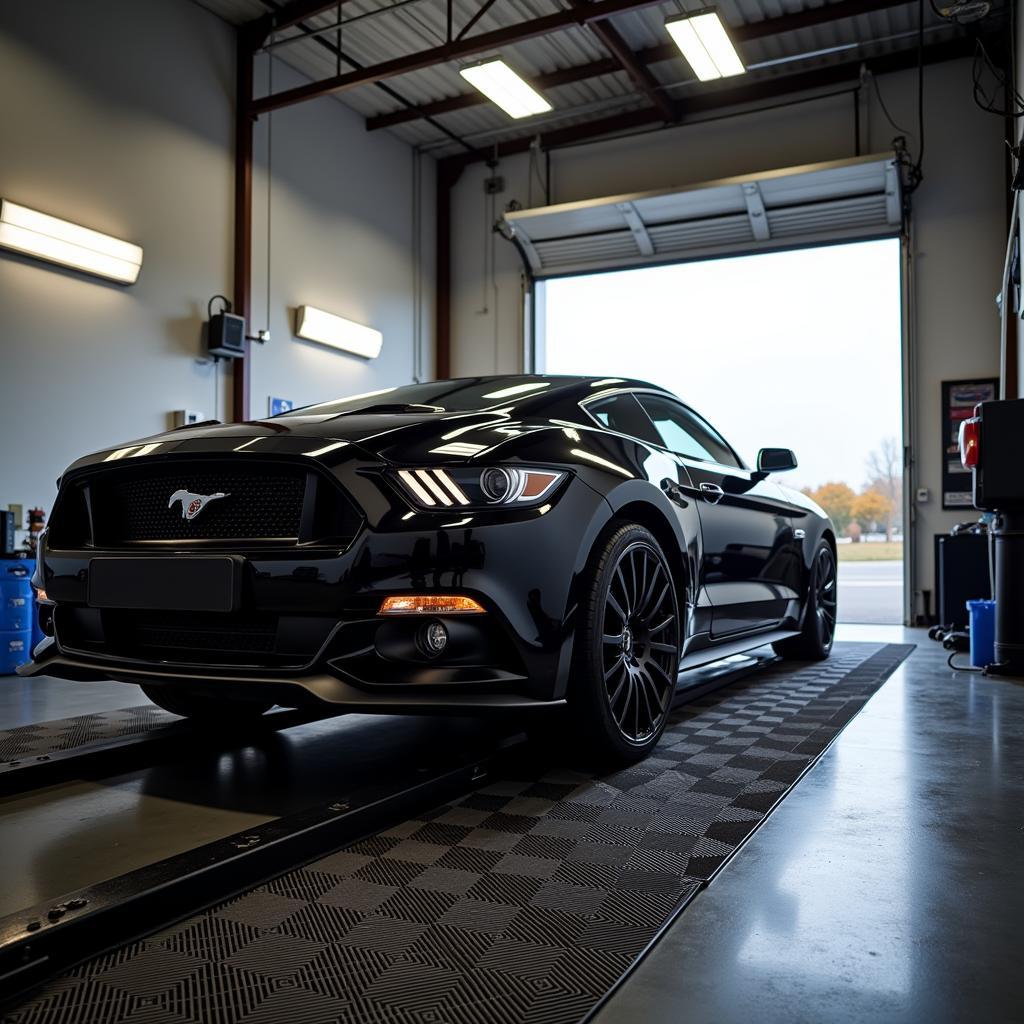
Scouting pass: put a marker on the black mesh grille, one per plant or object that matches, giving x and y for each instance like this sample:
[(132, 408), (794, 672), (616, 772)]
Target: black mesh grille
[(131, 506), (170, 636), (181, 632), (193, 638)]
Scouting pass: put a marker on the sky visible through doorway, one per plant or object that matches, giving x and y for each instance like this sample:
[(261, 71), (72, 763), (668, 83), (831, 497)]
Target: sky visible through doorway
[(795, 349)]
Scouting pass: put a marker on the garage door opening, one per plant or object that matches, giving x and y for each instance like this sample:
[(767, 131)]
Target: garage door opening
[(799, 349)]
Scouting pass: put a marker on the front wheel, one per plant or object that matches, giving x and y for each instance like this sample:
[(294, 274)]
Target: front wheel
[(627, 649), (814, 642), (202, 708)]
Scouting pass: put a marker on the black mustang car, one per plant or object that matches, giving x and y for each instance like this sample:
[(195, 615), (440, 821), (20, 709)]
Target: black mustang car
[(518, 543)]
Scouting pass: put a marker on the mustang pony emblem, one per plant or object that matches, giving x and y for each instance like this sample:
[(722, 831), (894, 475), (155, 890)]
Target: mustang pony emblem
[(193, 504)]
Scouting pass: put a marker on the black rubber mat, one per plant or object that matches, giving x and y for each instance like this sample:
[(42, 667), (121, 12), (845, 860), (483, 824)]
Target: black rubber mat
[(523, 902), (70, 733)]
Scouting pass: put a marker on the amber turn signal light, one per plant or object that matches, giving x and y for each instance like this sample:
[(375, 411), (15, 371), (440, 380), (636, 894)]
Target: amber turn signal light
[(430, 604)]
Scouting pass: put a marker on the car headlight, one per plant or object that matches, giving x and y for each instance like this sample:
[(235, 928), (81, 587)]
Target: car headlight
[(460, 487)]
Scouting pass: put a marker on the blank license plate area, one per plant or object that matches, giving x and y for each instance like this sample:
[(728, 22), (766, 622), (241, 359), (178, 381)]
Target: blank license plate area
[(166, 584)]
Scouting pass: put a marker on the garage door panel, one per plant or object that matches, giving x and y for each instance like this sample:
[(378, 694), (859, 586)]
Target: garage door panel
[(844, 199)]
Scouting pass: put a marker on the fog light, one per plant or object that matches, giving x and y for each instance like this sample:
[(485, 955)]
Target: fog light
[(434, 638)]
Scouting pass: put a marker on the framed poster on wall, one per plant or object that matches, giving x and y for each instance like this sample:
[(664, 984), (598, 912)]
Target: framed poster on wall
[(959, 397)]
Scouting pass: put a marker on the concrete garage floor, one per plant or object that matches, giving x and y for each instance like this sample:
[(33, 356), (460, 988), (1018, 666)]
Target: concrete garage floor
[(884, 887)]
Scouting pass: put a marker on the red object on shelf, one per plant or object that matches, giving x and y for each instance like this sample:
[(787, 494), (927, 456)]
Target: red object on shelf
[(970, 441)]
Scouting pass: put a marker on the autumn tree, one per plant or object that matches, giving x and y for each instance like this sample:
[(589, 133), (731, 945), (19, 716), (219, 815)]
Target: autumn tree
[(871, 508), (885, 476), (837, 500)]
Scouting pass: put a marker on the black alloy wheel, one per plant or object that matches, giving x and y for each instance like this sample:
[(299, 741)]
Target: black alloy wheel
[(814, 641), (626, 653), (640, 640), (825, 584)]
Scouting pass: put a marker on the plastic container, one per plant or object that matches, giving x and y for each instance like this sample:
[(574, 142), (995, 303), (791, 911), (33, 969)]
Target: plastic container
[(982, 616), (17, 613)]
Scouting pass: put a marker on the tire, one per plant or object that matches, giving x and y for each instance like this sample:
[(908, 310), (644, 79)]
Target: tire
[(815, 639), (626, 653), (203, 709)]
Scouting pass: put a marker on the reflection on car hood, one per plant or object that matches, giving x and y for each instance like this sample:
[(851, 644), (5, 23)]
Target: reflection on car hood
[(393, 437)]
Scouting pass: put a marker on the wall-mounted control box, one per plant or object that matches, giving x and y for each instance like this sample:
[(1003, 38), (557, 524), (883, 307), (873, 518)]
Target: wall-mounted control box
[(225, 336), (187, 417)]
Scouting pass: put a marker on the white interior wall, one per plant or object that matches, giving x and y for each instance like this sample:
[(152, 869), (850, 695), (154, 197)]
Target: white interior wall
[(119, 115), (959, 218), (342, 239)]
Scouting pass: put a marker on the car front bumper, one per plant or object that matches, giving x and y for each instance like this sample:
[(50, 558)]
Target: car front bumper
[(308, 628)]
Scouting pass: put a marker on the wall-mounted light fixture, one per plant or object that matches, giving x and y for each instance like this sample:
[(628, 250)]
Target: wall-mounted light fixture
[(316, 325), (502, 86), (69, 245), (706, 45)]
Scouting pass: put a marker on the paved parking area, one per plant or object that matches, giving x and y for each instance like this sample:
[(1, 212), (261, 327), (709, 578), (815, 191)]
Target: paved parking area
[(871, 592)]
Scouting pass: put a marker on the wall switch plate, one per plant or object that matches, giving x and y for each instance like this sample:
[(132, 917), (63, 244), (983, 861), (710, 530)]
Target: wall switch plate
[(187, 417), (923, 495)]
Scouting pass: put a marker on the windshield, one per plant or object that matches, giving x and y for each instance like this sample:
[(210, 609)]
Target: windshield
[(465, 395)]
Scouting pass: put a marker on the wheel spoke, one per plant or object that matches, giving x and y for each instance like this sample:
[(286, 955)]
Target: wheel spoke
[(645, 601), (617, 663), (662, 626), (630, 687), (612, 639), (613, 699), (616, 607), (642, 686), (662, 694), (627, 592), (665, 648)]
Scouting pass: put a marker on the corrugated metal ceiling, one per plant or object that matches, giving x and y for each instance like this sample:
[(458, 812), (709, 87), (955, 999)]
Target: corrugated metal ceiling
[(416, 25)]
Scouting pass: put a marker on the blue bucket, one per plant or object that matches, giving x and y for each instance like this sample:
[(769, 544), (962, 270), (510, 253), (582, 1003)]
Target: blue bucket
[(983, 632)]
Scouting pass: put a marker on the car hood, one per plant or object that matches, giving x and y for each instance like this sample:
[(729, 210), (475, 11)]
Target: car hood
[(390, 437)]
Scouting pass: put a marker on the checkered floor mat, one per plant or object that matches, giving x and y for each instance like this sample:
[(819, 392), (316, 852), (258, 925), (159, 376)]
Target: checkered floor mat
[(70, 733), (523, 902)]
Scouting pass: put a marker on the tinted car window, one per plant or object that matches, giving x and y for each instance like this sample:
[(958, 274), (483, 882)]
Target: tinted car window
[(623, 414), (686, 433)]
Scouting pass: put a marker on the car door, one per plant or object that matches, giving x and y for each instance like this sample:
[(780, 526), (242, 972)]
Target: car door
[(745, 527)]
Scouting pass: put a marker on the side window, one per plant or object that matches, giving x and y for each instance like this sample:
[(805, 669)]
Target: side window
[(623, 414), (686, 433)]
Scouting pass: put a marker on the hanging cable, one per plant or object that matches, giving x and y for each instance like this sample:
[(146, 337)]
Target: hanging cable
[(270, 152), (885, 109)]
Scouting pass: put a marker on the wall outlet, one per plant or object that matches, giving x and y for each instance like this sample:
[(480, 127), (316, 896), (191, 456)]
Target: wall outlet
[(923, 495)]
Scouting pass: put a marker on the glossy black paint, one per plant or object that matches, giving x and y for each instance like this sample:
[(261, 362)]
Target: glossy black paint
[(740, 558)]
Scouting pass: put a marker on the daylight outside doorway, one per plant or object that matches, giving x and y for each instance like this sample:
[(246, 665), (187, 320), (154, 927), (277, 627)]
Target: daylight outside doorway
[(799, 349)]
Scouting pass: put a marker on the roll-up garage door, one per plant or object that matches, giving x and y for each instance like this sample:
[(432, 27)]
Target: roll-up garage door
[(839, 201)]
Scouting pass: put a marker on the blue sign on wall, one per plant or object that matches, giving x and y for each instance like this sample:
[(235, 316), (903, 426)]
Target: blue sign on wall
[(280, 405)]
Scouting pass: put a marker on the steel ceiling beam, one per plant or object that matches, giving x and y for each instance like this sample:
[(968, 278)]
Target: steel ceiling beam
[(647, 56), (290, 14), (846, 73), (467, 47), (639, 73)]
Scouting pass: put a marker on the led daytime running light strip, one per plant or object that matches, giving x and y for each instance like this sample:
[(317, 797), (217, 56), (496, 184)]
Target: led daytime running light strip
[(433, 486)]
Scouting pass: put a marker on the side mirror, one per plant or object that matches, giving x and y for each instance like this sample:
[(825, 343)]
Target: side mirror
[(775, 460)]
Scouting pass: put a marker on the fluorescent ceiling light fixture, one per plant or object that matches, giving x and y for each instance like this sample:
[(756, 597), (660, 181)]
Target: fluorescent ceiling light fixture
[(69, 245), (501, 85), (316, 325), (706, 45)]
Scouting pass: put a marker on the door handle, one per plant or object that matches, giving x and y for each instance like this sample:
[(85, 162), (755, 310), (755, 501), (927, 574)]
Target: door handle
[(712, 493)]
